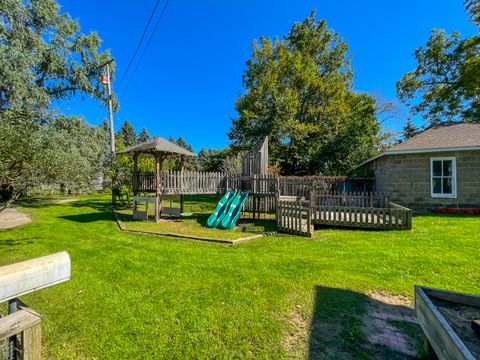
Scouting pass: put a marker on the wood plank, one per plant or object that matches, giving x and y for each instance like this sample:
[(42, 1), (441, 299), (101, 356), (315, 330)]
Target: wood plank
[(32, 343), (27, 276), (17, 322), (440, 335)]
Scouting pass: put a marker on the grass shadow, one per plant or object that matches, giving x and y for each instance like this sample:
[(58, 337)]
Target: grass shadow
[(350, 325), (15, 242), (90, 217)]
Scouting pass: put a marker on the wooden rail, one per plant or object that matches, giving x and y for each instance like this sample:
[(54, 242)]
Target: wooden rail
[(26, 324), (20, 330), (443, 341), (359, 210), (187, 182), (180, 182), (294, 217)]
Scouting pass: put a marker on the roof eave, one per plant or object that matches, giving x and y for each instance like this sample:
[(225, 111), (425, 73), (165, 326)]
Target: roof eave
[(418, 151)]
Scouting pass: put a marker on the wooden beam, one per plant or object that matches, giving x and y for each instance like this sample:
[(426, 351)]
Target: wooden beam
[(135, 172), (158, 205), (17, 322), (27, 276), (32, 343)]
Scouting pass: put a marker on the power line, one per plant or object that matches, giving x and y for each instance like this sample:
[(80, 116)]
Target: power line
[(139, 43), (146, 47)]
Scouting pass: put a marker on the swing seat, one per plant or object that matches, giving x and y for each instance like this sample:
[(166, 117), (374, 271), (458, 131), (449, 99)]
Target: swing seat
[(186, 214)]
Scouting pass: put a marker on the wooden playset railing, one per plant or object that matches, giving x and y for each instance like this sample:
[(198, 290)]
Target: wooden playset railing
[(20, 330)]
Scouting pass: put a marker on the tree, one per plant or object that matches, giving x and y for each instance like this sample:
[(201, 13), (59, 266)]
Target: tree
[(127, 134), (409, 130), (299, 93), (143, 136), (445, 85), (176, 162), (45, 58), (65, 151), (210, 159), (226, 160)]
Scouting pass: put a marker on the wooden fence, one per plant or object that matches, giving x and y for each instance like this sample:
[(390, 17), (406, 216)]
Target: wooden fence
[(180, 182), (359, 210), (294, 216), (349, 199), (188, 182)]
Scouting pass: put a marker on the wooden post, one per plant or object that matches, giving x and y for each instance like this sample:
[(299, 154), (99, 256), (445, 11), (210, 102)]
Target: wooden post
[(32, 343), (158, 203), (12, 341), (181, 204), (135, 174)]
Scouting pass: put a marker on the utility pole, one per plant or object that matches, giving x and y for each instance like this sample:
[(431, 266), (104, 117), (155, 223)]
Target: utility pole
[(106, 81), (110, 111)]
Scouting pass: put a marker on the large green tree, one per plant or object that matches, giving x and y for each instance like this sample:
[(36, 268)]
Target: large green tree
[(445, 85), (44, 58), (66, 151), (298, 91)]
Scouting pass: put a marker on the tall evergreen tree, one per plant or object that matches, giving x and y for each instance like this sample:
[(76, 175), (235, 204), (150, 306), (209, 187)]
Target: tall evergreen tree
[(143, 136), (127, 134)]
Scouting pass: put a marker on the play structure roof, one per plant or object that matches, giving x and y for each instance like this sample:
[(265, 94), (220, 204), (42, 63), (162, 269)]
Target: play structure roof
[(158, 145)]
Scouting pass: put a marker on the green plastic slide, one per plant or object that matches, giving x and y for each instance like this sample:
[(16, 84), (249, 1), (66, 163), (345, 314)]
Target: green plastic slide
[(234, 211), (221, 209)]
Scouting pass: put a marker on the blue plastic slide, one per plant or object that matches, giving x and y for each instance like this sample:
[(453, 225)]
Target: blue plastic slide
[(221, 209), (234, 211)]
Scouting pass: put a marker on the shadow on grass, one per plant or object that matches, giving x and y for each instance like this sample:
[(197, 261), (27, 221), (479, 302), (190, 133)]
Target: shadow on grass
[(90, 217), (15, 242), (351, 325)]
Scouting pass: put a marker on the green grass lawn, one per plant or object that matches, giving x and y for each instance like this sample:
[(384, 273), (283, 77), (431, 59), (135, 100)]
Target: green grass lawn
[(137, 296)]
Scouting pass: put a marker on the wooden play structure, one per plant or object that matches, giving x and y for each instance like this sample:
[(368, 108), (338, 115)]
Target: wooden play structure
[(21, 328), (298, 203)]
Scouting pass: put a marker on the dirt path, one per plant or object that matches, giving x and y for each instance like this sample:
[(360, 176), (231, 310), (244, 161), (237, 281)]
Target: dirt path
[(11, 217)]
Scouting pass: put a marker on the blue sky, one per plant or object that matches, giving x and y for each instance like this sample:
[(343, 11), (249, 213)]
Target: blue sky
[(192, 71)]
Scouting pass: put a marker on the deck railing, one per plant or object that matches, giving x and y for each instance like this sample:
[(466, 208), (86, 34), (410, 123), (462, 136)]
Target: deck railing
[(350, 199), (180, 182), (192, 182), (364, 210)]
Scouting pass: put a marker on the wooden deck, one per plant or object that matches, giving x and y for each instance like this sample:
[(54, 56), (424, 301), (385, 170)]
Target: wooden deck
[(297, 215)]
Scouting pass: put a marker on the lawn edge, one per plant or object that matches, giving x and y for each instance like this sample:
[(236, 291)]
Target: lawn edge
[(122, 227)]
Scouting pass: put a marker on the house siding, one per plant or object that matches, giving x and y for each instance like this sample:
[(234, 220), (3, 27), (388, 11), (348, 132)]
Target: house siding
[(406, 179)]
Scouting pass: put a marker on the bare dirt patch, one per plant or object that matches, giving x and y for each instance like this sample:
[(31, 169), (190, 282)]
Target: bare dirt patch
[(11, 217), (390, 327), (294, 341)]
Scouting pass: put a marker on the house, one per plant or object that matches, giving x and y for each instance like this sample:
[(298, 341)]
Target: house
[(439, 167)]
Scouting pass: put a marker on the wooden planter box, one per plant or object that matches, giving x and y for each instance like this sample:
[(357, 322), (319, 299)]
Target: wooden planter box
[(445, 318)]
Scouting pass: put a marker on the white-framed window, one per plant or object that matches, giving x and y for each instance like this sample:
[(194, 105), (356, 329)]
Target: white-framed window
[(443, 177)]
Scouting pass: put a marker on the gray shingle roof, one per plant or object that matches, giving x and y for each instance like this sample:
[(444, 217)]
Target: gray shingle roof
[(438, 138), (450, 135), (158, 145)]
